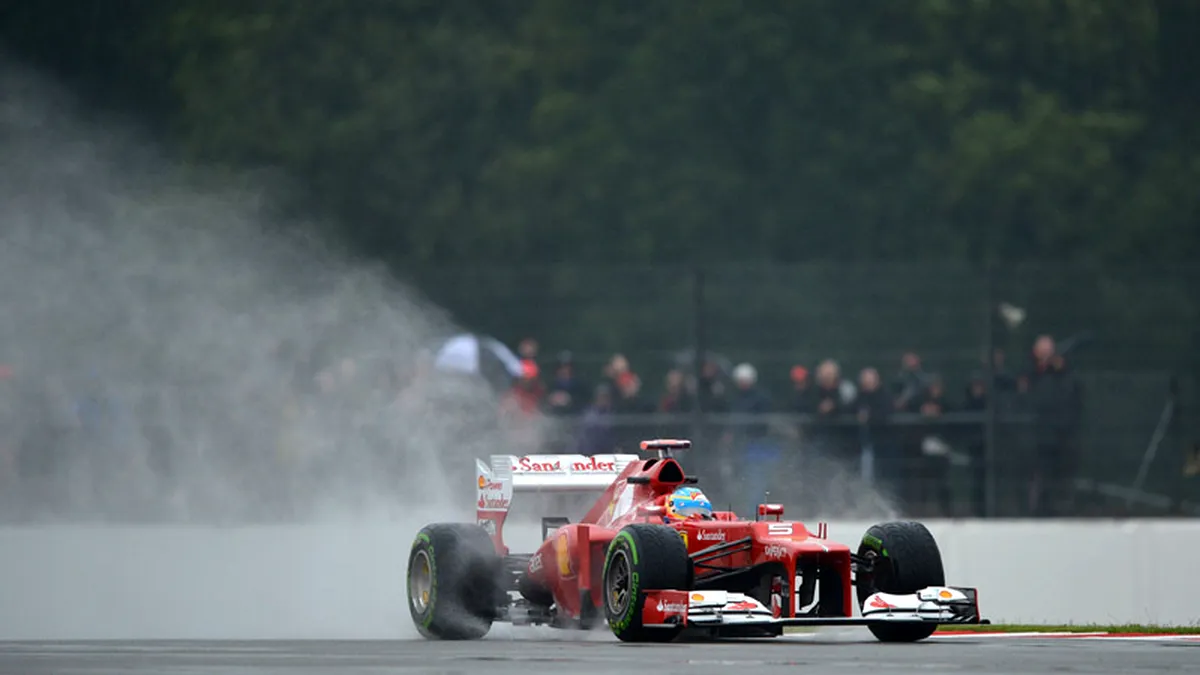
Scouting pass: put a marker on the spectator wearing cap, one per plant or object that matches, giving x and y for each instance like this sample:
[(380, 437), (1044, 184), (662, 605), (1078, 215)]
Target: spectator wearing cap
[(527, 392), (803, 401), (519, 408), (567, 393)]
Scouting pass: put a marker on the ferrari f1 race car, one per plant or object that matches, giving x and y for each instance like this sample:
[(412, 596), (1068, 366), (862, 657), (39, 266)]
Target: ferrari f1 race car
[(653, 561)]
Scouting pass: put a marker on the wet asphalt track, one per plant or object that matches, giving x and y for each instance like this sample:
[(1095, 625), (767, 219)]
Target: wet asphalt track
[(503, 654)]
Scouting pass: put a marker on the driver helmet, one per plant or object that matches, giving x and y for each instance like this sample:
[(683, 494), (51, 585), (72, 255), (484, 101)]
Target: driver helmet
[(688, 502)]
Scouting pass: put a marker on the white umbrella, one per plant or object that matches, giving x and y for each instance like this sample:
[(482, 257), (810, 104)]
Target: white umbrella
[(468, 354)]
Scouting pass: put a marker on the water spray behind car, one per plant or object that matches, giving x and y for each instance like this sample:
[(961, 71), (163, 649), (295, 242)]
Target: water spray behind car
[(182, 353)]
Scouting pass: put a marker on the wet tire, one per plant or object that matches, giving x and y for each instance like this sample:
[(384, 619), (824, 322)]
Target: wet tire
[(642, 557), (453, 579), (906, 559)]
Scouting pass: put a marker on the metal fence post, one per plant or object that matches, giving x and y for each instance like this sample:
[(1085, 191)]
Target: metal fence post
[(699, 356), (989, 433)]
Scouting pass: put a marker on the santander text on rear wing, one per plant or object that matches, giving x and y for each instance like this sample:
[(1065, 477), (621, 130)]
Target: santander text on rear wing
[(504, 475)]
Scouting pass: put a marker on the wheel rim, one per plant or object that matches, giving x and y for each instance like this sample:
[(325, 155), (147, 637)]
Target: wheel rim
[(619, 578), (420, 582)]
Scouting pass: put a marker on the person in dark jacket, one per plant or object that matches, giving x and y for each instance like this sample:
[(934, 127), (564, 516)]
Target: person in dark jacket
[(1055, 399), (596, 434), (871, 407), (750, 435), (567, 393)]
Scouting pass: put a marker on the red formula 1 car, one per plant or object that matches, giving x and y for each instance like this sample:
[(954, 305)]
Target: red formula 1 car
[(652, 570)]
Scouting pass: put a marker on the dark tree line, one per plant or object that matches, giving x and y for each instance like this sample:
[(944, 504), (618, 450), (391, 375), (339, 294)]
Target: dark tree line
[(435, 131)]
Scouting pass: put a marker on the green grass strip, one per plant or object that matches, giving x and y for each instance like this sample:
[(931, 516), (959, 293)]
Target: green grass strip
[(1133, 628)]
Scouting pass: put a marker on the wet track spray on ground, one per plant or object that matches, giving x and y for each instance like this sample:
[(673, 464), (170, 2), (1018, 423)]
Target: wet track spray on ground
[(168, 292)]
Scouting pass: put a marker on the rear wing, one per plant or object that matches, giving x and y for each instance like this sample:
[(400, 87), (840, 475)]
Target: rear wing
[(504, 475)]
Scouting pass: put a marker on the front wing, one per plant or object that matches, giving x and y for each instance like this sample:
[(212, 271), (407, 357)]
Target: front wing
[(727, 610)]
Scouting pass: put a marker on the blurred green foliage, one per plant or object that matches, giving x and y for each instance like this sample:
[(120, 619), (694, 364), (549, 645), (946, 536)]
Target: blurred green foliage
[(494, 131)]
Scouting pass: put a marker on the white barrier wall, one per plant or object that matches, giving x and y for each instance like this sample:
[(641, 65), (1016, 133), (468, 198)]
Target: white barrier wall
[(348, 581)]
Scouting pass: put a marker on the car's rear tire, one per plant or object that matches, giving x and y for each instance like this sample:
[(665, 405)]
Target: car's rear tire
[(453, 581), (642, 557), (905, 558)]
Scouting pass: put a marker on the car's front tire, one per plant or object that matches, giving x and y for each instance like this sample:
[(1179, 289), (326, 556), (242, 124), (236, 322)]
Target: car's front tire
[(642, 557), (904, 559)]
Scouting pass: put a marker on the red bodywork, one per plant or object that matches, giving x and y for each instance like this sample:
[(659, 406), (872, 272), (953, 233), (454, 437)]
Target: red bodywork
[(569, 564)]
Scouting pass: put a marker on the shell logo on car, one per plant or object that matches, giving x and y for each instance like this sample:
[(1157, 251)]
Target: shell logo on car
[(564, 556)]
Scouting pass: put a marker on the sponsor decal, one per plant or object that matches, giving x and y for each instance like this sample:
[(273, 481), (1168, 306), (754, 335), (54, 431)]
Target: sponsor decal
[(741, 606), (672, 607), (592, 465), (488, 526), (880, 603), (494, 502), (775, 552), (697, 597), (945, 594), (684, 537), (555, 464), (717, 535), (564, 555), (530, 465), (486, 484), (535, 563)]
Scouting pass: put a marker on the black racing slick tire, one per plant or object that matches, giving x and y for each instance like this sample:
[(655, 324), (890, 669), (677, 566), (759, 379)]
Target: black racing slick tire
[(454, 577), (642, 557), (904, 559)]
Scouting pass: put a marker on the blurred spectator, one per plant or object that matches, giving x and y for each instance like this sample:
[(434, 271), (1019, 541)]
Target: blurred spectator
[(934, 450), (675, 398), (527, 392), (976, 397), (750, 438), (1056, 402), (975, 400), (802, 392), (630, 400), (1191, 461), (872, 405), (871, 409), (595, 430), (910, 382), (567, 393), (1005, 381), (527, 350), (931, 402), (616, 367), (830, 396), (710, 390)]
